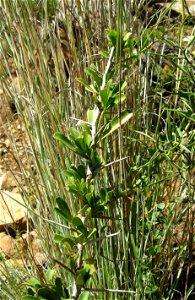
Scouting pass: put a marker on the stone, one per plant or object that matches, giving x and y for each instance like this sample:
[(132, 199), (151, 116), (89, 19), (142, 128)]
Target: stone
[(8, 181), (15, 263), (177, 6), (12, 208), (7, 245), (31, 242)]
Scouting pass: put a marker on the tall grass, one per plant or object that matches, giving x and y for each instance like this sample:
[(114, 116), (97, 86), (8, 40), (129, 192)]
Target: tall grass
[(153, 186)]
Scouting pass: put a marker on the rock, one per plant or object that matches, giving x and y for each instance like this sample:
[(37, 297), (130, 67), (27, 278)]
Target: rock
[(7, 245), (28, 243), (7, 143), (8, 181), (177, 6), (31, 243), (15, 263), (11, 208)]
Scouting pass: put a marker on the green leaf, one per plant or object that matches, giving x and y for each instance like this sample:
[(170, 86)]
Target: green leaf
[(74, 134), (79, 142), (88, 87), (49, 275), (46, 293), (92, 115), (85, 274), (127, 36), (31, 291), (83, 230), (59, 238), (104, 98), (104, 54), (161, 206), (59, 287), (64, 140), (63, 208), (64, 240), (116, 124), (95, 75), (81, 171), (113, 37), (80, 239), (87, 139), (89, 198), (71, 173), (76, 221), (123, 86), (33, 282), (120, 99), (84, 296)]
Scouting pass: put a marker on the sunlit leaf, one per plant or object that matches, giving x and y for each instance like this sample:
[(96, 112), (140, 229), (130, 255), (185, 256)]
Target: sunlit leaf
[(88, 87), (116, 123), (84, 296), (92, 115)]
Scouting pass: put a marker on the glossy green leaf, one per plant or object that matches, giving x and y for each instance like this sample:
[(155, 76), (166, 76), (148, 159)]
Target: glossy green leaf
[(83, 230), (76, 221), (85, 274), (84, 296), (70, 173), (78, 224), (74, 133), (87, 139), (113, 37), (89, 198), (79, 142), (33, 282), (78, 173), (64, 140), (116, 123), (49, 275), (104, 98), (161, 206), (63, 209), (92, 115)]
